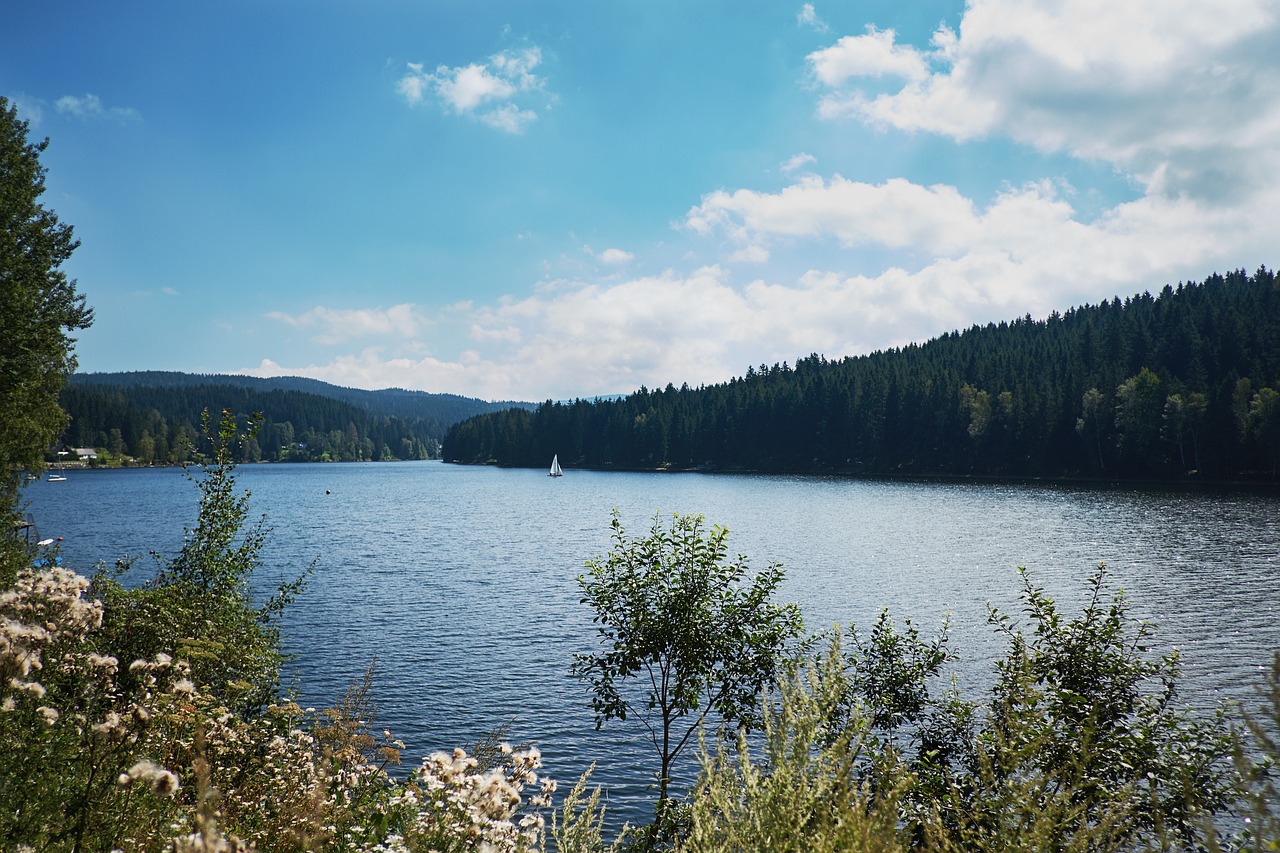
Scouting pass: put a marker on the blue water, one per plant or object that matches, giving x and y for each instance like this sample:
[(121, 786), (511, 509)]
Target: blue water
[(462, 581)]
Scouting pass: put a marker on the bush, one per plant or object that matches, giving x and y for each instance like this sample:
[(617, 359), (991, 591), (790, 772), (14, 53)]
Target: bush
[(1081, 747)]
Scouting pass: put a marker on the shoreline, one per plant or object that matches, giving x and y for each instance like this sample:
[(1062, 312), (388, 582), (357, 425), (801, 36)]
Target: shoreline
[(1181, 484)]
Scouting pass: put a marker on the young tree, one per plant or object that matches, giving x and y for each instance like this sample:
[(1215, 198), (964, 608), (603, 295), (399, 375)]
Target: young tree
[(683, 638), (39, 306), (1264, 424), (200, 606), (1139, 401)]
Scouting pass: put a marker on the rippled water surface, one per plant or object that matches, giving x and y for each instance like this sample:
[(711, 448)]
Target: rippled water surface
[(462, 581)]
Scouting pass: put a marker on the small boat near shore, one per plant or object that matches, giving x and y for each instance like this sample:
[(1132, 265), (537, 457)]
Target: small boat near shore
[(555, 467)]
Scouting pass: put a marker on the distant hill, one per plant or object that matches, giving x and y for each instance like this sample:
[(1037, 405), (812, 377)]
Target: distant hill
[(445, 409), (1183, 384), (155, 415)]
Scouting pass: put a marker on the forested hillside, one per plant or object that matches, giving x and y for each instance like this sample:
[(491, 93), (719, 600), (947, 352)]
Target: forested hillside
[(162, 425), (155, 416), (1182, 383), (437, 411)]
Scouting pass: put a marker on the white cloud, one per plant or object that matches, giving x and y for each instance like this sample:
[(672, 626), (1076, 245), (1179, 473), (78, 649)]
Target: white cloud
[(335, 326), (491, 92), (615, 257), (808, 17), (577, 340), (872, 55), (752, 253), (1025, 252), (90, 108), (799, 161), (1182, 94), (897, 214)]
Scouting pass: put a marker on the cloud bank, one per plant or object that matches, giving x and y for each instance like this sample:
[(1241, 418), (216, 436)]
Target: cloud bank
[(1180, 97)]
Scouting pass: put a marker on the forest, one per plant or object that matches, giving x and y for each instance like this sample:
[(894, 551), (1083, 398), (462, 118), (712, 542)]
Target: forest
[(1181, 384), (155, 425), (154, 417)]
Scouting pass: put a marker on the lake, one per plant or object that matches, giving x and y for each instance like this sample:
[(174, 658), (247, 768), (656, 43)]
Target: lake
[(462, 581)]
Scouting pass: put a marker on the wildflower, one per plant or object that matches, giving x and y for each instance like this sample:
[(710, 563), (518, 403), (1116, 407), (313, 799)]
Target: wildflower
[(106, 662), (163, 782), (49, 714), (183, 686), (31, 688)]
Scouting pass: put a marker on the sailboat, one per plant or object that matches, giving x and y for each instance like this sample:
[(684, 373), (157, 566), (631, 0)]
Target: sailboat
[(555, 467)]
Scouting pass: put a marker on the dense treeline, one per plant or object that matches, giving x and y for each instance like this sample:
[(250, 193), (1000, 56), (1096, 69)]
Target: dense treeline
[(437, 412), (162, 424), (1180, 383)]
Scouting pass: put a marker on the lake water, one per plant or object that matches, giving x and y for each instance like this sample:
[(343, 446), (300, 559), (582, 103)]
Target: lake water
[(462, 581)]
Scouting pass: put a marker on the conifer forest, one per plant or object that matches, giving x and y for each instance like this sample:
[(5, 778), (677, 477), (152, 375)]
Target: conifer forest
[(1179, 384)]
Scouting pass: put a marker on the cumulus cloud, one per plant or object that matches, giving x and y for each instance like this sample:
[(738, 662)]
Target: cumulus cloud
[(90, 108), (1184, 95), (579, 340), (896, 214), (336, 325), (1025, 252), (493, 92), (1033, 230), (874, 54)]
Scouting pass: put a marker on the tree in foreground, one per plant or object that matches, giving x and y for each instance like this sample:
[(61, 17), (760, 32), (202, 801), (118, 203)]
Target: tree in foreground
[(39, 307), (686, 638), (200, 605)]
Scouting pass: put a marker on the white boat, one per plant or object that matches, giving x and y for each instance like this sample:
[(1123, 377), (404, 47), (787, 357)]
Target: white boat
[(555, 467), (57, 478)]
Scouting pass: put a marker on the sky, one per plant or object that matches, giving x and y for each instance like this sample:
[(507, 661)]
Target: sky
[(525, 201)]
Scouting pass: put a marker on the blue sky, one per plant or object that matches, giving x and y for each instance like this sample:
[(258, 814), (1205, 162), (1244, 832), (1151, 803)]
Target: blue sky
[(516, 200)]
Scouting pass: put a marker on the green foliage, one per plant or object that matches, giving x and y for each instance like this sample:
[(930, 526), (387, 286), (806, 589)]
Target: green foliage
[(1264, 425), (1139, 400), (159, 424), (1097, 714), (682, 638), (1257, 758), (199, 607), (802, 791), (39, 307), (906, 725), (1081, 748)]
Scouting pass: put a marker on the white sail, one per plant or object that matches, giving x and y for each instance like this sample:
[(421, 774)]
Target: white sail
[(555, 467)]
